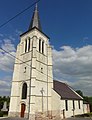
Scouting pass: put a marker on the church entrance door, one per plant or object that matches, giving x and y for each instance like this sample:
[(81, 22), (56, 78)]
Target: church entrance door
[(23, 106)]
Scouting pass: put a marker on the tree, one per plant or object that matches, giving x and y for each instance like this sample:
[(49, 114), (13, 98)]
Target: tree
[(80, 92)]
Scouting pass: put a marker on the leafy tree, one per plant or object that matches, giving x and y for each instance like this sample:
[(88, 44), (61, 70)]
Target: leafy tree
[(3, 99), (80, 92)]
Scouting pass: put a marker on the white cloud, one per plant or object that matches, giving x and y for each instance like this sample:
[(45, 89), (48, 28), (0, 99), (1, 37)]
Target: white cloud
[(74, 65), (71, 65), (3, 83), (6, 65), (7, 61), (18, 32), (8, 46), (4, 87)]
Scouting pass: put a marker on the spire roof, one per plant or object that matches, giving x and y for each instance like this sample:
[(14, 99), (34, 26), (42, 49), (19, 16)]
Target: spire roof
[(35, 21)]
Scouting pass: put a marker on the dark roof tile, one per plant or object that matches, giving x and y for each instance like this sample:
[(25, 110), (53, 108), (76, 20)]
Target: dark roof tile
[(65, 91)]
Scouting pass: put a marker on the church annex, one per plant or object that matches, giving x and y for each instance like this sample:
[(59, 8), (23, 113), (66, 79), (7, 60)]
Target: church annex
[(34, 93)]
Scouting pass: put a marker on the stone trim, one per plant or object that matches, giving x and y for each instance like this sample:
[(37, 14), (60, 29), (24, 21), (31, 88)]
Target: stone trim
[(23, 62), (33, 78), (41, 53), (26, 52), (41, 96), (41, 62), (43, 81), (15, 96)]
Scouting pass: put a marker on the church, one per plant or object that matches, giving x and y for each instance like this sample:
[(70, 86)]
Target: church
[(34, 93)]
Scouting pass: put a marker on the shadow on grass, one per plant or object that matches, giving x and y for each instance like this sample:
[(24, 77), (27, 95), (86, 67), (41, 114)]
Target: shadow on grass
[(84, 115)]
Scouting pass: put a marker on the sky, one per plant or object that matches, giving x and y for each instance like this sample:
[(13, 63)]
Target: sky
[(68, 23)]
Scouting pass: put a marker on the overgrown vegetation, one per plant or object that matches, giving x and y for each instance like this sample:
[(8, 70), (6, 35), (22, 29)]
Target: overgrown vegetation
[(86, 98), (2, 100), (1, 114)]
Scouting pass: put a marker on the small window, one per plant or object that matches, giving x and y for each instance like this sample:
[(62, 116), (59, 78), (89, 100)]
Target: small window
[(42, 46), (73, 105), (24, 91), (79, 103), (29, 44), (41, 70), (25, 70), (66, 105), (39, 45), (26, 45)]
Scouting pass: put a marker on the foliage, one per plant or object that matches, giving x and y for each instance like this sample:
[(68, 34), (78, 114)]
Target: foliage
[(85, 98), (88, 99), (3, 99), (1, 114), (80, 92)]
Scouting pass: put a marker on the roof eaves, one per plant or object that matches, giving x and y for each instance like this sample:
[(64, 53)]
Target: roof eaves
[(33, 29)]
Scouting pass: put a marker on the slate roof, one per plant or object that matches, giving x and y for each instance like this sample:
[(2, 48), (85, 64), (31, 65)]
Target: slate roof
[(33, 29), (65, 91), (35, 21)]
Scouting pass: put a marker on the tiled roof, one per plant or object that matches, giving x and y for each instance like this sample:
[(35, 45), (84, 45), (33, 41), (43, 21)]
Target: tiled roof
[(65, 91)]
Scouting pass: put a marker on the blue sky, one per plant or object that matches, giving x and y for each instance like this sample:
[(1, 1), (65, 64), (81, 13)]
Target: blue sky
[(68, 23)]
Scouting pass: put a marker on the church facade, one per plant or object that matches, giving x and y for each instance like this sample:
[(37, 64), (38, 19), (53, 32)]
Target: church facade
[(34, 93)]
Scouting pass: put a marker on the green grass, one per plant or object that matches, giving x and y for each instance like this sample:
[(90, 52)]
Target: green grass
[(84, 115), (3, 114)]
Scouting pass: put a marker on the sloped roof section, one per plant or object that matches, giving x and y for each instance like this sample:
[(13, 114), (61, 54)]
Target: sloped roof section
[(65, 91), (35, 21)]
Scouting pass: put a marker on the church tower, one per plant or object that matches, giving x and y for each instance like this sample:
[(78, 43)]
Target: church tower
[(32, 77)]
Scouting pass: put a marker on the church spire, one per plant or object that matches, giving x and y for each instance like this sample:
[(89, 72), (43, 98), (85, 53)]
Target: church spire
[(35, 22)]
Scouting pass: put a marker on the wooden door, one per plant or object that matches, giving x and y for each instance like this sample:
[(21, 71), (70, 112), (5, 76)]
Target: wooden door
[(22, 110)]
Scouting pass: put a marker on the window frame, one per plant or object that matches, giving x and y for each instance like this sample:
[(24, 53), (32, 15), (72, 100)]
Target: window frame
[(79, 104), (24, 91), (73, 105), (29, 44), (42, 47), (25, 45), (66, 105), (39, 45)]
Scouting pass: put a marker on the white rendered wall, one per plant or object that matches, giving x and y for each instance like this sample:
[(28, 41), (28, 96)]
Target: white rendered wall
[(86, 108), (70, 111), (33, 61)]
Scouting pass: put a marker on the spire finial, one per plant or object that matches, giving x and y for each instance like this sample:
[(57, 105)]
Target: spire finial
[(35, 22)]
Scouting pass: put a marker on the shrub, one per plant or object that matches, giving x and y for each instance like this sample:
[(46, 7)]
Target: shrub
[(5, 113), (1, 114)]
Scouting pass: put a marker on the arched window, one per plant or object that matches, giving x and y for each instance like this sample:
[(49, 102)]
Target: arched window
[(26, 45), (29, 44), (24, 91), (39, 45), (42, 46)]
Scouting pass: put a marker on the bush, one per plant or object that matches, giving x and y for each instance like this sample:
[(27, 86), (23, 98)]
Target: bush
[(5, 113), (1, 114)]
